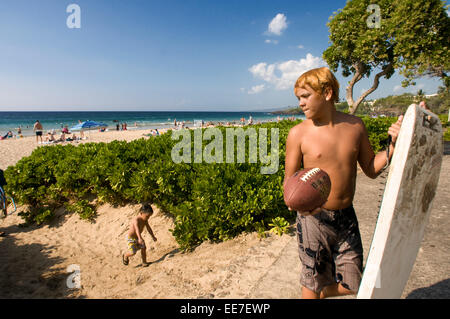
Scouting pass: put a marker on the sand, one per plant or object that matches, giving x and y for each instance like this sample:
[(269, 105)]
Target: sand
[(12, 150), (34, 260)]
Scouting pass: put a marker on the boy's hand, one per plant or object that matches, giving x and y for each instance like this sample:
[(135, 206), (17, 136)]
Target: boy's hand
[(154, 238), (141, 242), (395, 129), (307, 213)]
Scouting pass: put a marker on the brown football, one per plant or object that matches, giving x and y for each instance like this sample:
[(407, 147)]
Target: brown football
[(307, 189)]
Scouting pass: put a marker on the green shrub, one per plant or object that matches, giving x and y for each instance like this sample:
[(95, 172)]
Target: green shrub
[(212, 202)]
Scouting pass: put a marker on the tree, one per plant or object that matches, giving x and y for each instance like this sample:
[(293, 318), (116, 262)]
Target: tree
[(410, 36), (420, 95)]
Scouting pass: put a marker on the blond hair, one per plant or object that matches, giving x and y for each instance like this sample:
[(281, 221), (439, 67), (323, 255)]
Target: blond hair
[(319, 80)]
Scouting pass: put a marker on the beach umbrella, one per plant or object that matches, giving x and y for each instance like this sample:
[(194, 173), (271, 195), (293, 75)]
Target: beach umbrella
[(88, 125)]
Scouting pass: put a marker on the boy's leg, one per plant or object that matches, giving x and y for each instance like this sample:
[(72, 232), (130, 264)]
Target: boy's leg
[(315, 255), (309, 294), (144, 257), (334, 291), (349, 258), (128, 254)]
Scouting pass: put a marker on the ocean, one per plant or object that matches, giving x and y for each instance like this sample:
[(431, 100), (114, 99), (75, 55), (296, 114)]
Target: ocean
[(11, 121)]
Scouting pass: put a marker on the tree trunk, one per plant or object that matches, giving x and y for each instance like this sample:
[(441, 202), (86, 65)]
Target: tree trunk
[(352, 105)]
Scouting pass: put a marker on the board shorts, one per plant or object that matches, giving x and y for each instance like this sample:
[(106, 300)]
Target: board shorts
[(38, 133), (133, 245), (330, 249)]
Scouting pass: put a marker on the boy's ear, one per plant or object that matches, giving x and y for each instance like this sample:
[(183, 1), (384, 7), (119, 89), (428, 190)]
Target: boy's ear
[(328, 92)]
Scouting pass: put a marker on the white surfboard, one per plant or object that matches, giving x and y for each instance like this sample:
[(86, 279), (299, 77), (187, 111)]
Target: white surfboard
[(405, 209)]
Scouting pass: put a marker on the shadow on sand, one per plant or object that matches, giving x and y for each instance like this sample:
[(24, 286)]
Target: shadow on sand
[(441, 290), (29, 271)]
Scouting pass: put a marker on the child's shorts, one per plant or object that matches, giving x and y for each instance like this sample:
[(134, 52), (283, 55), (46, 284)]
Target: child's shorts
[(133, 245), (330, 249)]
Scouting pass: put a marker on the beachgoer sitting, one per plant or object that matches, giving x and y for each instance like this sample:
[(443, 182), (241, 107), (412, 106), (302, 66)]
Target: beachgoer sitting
[(71, 138), (62, 137), (50, 137), (65, 130), (134, 238)]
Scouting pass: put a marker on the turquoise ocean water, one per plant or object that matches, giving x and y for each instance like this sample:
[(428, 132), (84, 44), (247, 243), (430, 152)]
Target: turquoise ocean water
[(135, 120)]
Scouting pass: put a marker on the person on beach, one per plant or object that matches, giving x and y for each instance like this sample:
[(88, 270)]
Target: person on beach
[(37, 128), (62, 137), (329, 240), (50, 137), (134, 236)]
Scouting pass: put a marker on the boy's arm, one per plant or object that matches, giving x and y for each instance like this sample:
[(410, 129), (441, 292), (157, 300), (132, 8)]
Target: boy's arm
[(294, 154), (294, 157), (372, 164), (150, 231)]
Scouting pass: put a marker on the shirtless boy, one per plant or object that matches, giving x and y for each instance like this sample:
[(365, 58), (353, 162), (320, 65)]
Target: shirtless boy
[(38, 129), (134, 236), (329, 241)]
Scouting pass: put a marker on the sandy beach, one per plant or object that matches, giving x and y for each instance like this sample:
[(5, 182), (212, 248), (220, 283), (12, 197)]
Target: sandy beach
[(34, 260), (12, 150)]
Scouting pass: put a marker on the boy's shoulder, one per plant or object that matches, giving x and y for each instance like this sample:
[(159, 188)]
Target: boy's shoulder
[(350, 121), (300, 127)]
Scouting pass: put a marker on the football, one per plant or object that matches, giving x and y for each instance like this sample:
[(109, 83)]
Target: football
[(307, 189)]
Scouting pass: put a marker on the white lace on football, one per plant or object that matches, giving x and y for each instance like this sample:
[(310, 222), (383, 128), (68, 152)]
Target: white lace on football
[(310, 173)]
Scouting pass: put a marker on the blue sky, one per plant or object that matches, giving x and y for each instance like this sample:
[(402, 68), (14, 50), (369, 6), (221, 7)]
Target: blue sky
[(189, 55)]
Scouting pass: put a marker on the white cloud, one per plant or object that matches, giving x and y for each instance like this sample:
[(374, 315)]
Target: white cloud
[(284, 74), (271, 41), (257, 89), (410, 89), (398, 88), (300, 46), (277, 25)]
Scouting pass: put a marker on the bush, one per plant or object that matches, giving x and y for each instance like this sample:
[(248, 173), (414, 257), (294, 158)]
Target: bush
[(213, 202)]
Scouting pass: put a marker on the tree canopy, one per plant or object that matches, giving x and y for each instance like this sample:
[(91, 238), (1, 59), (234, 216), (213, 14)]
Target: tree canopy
[(410, 36)]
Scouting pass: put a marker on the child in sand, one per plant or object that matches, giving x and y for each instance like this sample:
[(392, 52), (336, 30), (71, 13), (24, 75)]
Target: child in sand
[(134, 238), (329, 240)]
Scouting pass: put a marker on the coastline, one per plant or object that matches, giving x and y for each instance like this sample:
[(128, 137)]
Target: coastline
[(13, 149)]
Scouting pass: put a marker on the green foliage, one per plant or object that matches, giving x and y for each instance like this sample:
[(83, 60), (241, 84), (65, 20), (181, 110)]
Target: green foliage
[(82, 208), (377, 130), (447, 135), (212, 202), (279, 226), (413, 38)]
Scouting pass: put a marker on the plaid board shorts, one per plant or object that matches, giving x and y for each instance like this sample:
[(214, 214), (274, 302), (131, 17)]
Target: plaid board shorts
[(330, 249)]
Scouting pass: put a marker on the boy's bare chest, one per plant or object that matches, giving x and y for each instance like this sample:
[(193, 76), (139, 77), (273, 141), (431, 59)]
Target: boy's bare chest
[(331, 145)]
